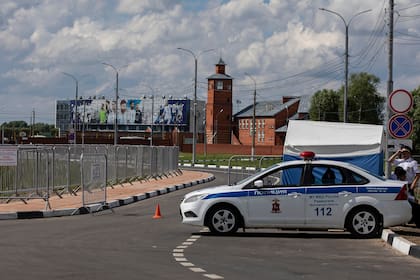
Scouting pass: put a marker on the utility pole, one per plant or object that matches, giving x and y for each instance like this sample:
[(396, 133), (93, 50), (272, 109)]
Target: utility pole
[(33, 122), (390, 81), (253, 128)]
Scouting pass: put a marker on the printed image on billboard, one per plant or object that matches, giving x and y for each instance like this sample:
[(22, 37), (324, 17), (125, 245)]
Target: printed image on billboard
[(175, 112), (102, 111), (131, 112)]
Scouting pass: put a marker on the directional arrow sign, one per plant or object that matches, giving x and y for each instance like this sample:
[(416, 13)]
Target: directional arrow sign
[(400, 126)]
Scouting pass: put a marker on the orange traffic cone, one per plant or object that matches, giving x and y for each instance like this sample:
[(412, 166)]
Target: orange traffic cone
[(157, 213)]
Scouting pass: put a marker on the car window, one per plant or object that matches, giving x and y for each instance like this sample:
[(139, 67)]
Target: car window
[(354, 178), (327, 175), (282, 177), (334, 175)]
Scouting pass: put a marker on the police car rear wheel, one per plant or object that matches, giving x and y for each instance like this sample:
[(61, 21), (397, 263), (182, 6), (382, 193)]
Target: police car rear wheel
[(223, 220), (364, 222)]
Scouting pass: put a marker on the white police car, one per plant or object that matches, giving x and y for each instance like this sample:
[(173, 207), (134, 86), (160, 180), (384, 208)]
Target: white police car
[(319, 194)]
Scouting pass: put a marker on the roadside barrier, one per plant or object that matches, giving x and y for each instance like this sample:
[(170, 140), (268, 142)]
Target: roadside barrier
[(243, 166), (93, 170), (40, 171)]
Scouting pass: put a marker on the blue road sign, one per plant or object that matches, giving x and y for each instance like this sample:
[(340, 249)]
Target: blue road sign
[(400, 126)]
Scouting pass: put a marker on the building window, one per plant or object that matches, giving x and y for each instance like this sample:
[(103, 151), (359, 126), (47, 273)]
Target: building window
[(263, 123), (219, 85)]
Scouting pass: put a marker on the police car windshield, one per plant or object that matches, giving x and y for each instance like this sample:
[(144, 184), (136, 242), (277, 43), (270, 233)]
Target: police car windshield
[(255, 175)]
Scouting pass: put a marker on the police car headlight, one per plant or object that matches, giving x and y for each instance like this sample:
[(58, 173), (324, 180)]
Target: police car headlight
[(194, 198)]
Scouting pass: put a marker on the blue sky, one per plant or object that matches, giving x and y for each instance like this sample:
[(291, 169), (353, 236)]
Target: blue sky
[(289, 47)]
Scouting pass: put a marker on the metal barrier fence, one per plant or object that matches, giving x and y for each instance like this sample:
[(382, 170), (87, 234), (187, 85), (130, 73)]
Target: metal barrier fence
[(43, 170), (93, 168), (243, 166)]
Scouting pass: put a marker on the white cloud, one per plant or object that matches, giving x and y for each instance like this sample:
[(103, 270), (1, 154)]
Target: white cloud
[(289, 46)]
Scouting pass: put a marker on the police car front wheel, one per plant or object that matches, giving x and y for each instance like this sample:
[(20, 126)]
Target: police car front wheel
[(223, 219), (364, 222)]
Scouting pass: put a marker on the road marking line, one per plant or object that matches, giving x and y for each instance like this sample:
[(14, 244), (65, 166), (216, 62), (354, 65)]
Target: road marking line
[(197, 269), (179, 257), (178, 254), (178, 250), (213, 276), (191, 240)]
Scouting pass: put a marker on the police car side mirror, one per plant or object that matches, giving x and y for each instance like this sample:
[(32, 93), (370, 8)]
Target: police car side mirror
[(258, 184)]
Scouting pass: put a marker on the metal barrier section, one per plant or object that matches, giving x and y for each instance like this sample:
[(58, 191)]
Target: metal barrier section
[(32, 176), (93, 170), (131, 163), (243, 166)]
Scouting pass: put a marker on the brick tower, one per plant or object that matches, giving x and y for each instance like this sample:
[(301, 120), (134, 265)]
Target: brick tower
[(219, 106)]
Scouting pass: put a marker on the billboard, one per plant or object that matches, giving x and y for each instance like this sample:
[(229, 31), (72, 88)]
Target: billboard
[(130, 111), (174, 112)]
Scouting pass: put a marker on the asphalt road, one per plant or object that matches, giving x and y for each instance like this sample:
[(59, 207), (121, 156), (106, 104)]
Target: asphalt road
[(128, 244)]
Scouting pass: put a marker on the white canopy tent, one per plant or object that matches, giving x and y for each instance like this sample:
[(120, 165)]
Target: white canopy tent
[(360, 144)]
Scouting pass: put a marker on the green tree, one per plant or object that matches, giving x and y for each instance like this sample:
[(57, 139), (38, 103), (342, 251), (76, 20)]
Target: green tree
[(365, 104), (15, 124), (415, 115), (324, 106), (14, 128)]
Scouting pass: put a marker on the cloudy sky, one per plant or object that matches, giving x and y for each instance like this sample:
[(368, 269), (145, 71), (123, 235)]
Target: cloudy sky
[(288, 47)]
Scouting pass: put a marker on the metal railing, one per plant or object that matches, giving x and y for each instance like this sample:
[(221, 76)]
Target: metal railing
[(242, 166), (56, 169)]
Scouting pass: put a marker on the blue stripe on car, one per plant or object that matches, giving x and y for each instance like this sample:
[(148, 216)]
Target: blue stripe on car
[(309, 190)]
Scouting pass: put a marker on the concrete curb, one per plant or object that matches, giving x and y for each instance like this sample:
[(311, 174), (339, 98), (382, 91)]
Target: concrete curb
[(400, 244), (99, 207), (212, 166)]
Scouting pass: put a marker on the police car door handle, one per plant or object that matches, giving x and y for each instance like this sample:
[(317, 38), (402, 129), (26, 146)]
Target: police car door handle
[(294, 194), (345, 193)]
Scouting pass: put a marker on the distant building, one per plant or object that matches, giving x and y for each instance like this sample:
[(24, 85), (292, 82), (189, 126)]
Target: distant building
[(271, 117)]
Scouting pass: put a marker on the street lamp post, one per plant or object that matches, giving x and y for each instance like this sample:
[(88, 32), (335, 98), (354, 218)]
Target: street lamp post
[(116, 103), (195, 99), (153, 106), (152, 97), (346, 61), (253, 116), (75, 104)]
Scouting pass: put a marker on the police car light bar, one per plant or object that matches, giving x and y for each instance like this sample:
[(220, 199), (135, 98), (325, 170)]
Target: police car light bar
[(307, 155)]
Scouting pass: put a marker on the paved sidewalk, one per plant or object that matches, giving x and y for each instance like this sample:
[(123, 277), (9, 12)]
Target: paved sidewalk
[(116, 196)]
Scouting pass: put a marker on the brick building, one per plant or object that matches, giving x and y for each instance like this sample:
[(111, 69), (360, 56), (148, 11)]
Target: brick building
[(271, 119), (222, 127)]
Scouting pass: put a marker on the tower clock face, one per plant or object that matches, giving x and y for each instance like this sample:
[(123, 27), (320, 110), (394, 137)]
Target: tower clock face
[(219, 85)]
